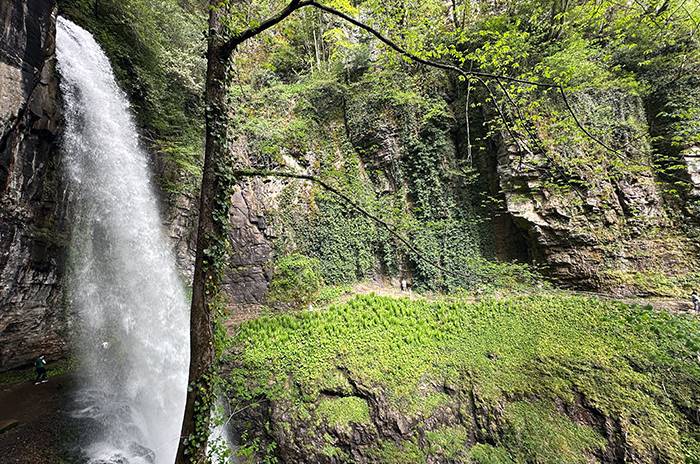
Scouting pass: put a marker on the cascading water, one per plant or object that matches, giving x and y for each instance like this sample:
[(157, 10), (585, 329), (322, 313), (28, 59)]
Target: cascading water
[(124, 286)]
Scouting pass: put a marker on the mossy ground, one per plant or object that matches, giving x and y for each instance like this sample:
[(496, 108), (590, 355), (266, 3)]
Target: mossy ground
[(534, 357), (656, 283)]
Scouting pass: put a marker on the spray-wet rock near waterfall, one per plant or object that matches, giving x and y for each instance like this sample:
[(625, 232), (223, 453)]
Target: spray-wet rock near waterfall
[(444, 231)]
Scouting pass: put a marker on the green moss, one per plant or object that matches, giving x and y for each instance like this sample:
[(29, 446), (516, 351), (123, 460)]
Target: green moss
[(656, 283), (487, 454), (450, 443), (632, 364), (537, 432), (334, 453), (344, 411), (389, 452)]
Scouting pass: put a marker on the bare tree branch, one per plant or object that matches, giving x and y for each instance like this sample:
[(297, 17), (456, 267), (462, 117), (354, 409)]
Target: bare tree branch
[(242, 36)]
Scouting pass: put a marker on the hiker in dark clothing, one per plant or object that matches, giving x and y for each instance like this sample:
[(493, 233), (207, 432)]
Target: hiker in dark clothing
[(696, 301), (40, 366)]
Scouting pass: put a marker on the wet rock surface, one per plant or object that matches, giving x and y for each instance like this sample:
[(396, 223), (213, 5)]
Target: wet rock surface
[(32, 240)]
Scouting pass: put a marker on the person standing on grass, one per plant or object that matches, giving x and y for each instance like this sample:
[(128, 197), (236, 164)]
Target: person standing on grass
[(696, 301), (40, 366)]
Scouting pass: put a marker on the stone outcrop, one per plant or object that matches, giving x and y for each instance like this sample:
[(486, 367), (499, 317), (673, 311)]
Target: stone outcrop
[(392, 434), (249, 271), (32, 244), (610, 221)]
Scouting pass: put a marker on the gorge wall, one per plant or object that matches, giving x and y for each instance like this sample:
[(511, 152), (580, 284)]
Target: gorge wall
[(32, 242), (391, 134), (610, 228)]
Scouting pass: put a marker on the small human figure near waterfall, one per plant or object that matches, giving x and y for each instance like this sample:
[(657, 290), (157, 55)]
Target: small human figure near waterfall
[(696, 301), (40, 367)]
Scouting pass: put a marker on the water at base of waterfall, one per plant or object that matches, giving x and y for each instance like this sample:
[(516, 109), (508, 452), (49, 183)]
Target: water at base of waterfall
[(123, 285)]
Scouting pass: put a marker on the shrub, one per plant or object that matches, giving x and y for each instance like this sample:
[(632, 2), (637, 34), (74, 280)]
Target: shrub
[(296, 281)]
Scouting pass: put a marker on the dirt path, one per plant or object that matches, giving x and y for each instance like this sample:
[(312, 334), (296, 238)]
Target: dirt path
[(670, 304), (36, 418)]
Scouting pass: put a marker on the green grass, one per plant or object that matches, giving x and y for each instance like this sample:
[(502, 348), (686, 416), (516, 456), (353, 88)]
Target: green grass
[(528, 353)]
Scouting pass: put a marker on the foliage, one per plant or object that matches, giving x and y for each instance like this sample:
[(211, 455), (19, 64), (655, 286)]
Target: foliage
[(330, 293), (156, 50), (319, 97), (632, 364), (656, 283), (286, 122), (296, 281), (341, 412)]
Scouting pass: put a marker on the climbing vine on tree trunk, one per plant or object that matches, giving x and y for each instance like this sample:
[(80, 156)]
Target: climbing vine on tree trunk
[(220, 177), (212, 250)]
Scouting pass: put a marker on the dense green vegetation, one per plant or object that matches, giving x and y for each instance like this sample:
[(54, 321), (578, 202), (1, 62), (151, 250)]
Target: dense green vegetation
[(156, 50), (318, 96), (321, 97), (301, 124), (543, 371), (296, 281)]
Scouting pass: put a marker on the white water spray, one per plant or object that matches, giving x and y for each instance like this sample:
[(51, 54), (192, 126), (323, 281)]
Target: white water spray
[(124, 286)]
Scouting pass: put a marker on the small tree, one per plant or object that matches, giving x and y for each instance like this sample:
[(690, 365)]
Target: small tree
[(220, 175), (296, 282)]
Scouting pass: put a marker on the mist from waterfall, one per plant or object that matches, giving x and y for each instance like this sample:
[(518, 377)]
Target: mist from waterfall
[(123, 283)]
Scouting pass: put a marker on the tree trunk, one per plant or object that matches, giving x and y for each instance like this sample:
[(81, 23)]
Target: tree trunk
[(211, 239), (556, 22)]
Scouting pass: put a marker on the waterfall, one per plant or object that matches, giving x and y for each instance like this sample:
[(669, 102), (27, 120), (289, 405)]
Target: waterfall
[(123, 283)]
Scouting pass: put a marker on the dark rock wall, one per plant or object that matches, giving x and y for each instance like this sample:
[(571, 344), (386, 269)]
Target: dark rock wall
[(249, 270), (32, 244)]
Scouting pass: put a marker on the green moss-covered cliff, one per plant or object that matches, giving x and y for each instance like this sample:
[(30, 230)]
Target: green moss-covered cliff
[(543, 378)]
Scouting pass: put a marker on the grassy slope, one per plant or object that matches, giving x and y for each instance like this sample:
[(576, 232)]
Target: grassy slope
[(530, 360)]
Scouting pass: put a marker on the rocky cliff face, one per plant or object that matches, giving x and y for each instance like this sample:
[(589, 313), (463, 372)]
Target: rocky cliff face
[(463, 421), (32, 244), (611, 222), (249, 271)]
